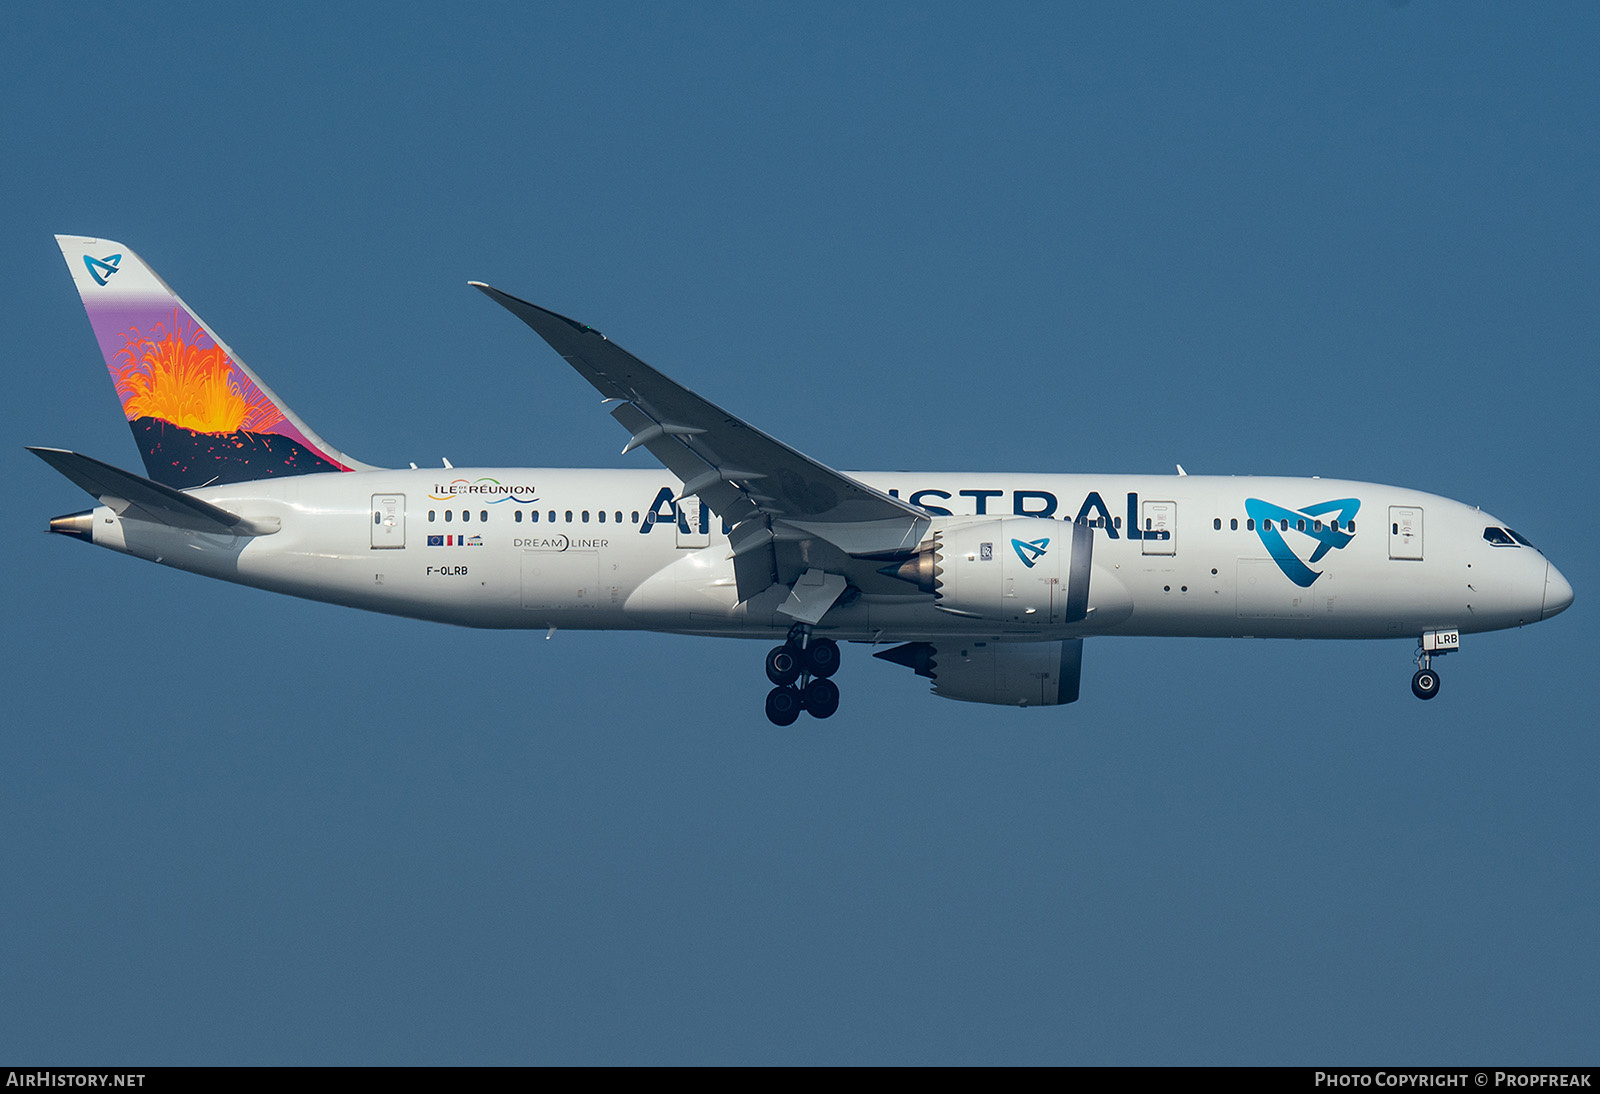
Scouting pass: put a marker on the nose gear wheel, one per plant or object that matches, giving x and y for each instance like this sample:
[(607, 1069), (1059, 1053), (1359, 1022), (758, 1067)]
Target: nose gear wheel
[(1425, 684)]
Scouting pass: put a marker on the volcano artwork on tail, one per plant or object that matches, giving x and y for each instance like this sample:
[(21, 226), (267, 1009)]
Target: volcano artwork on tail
[(198, 415)]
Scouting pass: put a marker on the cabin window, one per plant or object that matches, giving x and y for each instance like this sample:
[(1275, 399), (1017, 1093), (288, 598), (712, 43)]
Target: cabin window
[(466, 514), (449, 515), (517, 516), (602, 516), (1116, 522), (1299, 526), (483, 514), (1316, 526), (636, 516), (569, 516), (619, 516), (533, 516), (586, 516), (1233, 524), (430, 516), (1250, 523), (1216, 524)]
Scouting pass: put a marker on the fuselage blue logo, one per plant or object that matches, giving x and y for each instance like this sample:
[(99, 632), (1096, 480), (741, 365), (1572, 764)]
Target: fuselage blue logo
[(108, 264), (1273, 520), (1029, 551)]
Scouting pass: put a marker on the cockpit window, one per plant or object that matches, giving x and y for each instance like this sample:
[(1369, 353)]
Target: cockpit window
[(1520, 538), (1498, 537)]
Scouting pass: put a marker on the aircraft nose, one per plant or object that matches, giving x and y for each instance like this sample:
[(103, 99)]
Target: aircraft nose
[(1557, 592)]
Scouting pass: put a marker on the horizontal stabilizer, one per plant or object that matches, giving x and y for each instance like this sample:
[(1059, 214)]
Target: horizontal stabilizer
[(129, 495)]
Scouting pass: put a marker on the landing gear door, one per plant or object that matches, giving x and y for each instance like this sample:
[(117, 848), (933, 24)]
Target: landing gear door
[(694, 523), (1405, 532), (1158, 523), (388, 521)]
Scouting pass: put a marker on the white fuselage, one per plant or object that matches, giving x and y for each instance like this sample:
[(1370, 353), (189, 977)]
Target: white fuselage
[(609, 549)]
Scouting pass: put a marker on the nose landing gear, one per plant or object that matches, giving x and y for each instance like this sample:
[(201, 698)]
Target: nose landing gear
[(800, 668), (1425, 684)]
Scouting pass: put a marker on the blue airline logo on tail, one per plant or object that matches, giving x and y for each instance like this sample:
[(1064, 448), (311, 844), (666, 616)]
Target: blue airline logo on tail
[(1273, 520), (1030, 552), (109, 264)]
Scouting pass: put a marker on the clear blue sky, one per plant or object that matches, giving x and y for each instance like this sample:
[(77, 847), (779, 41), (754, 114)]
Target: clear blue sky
[(1348, 239)]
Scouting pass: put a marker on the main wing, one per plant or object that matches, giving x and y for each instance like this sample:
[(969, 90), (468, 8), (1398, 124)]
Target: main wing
[(787, 512)]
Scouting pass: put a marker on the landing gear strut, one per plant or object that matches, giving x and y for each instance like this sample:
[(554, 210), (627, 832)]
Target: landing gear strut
[(800, 668), (1425, 684)]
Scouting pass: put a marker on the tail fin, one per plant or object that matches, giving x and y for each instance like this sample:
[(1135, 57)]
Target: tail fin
[(198, 414)]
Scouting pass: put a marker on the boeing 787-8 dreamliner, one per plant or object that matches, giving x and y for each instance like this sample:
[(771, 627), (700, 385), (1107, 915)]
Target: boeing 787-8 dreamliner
[(987, 584)]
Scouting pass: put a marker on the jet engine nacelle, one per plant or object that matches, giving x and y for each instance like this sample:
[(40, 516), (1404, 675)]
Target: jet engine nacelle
[(1027, 570), (1014, 570), (1018, 674)]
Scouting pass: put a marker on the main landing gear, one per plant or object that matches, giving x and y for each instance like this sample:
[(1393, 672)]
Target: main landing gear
[(800, 668)]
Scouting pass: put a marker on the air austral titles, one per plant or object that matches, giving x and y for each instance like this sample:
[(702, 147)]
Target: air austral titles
[(985, 584)]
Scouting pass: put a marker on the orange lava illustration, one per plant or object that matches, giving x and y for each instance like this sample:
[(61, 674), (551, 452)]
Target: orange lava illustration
[(165, 374)]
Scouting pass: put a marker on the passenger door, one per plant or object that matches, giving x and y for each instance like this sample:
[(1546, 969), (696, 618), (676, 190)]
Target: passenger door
[(1405, 532)]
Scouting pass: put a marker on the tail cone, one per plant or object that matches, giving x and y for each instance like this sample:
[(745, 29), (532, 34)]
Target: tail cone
[(75, 524)]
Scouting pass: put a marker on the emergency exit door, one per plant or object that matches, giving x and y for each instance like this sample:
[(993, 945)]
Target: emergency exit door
[(1159, 527), (694, 522)]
